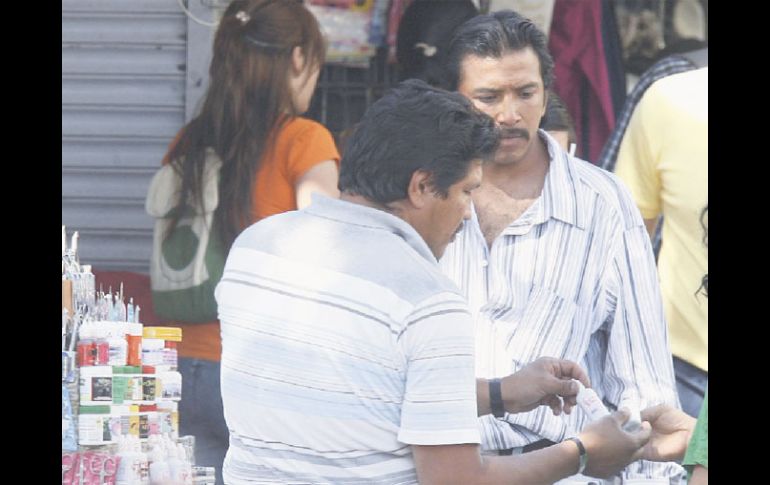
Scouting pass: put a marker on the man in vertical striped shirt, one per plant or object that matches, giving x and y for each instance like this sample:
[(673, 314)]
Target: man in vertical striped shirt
[(347, 356), (555, 259)]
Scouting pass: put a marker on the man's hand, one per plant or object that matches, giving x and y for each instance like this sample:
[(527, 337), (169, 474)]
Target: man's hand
[(609, 448), (671, 430), (541, 382)]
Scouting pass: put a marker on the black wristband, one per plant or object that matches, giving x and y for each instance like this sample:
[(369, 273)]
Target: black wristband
[(496, 398), (582, 451)]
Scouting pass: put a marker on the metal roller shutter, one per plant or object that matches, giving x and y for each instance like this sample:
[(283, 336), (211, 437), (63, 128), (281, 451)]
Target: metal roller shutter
[(123, 99)]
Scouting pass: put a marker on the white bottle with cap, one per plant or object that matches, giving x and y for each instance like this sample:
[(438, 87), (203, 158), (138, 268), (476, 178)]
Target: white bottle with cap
[(632, 401), (159, 467), (590, 403)]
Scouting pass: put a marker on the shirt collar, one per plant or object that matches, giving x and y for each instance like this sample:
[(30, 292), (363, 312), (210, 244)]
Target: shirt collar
[(560, 190), (371, 218)]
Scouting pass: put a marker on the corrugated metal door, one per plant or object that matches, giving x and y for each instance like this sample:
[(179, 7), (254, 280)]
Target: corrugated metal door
[(123, 99)]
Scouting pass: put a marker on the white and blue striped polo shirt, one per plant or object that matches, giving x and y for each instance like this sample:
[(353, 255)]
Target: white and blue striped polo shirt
[(342, 344)]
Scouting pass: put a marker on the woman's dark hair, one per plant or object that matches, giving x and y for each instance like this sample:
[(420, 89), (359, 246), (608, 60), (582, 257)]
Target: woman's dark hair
[(415, 127), (492, 36), (424, 33), (248, 100)]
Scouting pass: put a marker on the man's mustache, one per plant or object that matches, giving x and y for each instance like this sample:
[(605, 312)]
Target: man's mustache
[(514, 132)]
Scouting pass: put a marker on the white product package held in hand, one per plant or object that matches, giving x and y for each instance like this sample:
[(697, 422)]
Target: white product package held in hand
[(592, 405)]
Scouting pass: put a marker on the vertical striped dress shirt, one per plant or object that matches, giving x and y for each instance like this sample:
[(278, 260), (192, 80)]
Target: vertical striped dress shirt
[(342, 344), (573, 277)]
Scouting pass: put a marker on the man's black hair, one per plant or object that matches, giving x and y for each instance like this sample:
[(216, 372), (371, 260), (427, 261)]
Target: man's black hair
[(415, 127)]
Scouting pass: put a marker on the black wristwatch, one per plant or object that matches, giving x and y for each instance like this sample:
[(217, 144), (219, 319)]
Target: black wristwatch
[(496, 398)]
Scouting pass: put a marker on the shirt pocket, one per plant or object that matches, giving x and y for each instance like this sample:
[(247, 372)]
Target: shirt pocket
[(542, 327)]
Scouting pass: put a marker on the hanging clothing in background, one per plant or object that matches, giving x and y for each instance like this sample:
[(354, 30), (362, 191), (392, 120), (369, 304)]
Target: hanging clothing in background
[(665, 67), (540, 12), (613, 52), (397, 9), (577, 44)]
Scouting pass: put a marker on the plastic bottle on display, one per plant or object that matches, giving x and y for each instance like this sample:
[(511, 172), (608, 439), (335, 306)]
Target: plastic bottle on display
[(175, 464), (130, 468), (118, 346), (86, 348), (185, 474), (144, 464), (102, 345), (134, 341), (159, 468)]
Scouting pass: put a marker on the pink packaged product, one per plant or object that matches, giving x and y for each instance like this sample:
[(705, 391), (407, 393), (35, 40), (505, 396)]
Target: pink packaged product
[(70, 466), (89, 468)]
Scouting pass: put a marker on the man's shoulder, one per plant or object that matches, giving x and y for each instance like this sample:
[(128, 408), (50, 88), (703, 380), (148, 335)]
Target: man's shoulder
[(601, 189), (271, 227), (366, 254), (680, 84), (409, 274)]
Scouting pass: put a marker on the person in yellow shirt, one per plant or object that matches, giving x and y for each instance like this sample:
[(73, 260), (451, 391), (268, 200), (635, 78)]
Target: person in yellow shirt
[(663, 159)]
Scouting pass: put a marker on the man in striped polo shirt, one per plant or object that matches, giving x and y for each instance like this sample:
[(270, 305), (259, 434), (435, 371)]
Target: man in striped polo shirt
[(555, 259), (347, 357)]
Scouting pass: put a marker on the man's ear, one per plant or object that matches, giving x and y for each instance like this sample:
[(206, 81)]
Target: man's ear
[(419, 188), (297, 59)]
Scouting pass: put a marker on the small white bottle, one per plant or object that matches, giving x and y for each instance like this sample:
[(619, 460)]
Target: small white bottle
[(185, 474), (117, 345), (631, 401), (175, 465), (590, 403), (124, 474), (144, 465), (130, 467), (159, 468)]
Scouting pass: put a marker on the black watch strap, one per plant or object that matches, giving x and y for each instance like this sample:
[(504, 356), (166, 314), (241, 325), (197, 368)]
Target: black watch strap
[(496, 398)]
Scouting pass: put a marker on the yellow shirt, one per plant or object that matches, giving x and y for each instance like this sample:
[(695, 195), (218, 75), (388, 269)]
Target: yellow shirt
[(663, 160)]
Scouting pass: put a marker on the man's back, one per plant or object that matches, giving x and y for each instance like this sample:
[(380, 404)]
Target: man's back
[(344, 341)]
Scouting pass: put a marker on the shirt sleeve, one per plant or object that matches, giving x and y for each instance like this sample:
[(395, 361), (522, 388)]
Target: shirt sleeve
[(439, 405), (637, 160), (698, 449), (311, 146), (638, 355)]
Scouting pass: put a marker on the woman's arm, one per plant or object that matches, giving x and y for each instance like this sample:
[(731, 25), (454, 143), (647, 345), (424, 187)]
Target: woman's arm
[(322, 178)]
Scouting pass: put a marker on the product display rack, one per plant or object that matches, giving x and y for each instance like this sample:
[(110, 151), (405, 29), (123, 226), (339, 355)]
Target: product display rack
[(120, 390)]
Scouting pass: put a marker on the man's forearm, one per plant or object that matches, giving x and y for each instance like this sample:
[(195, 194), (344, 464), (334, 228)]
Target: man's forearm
[(462, 464), (548, 465)]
